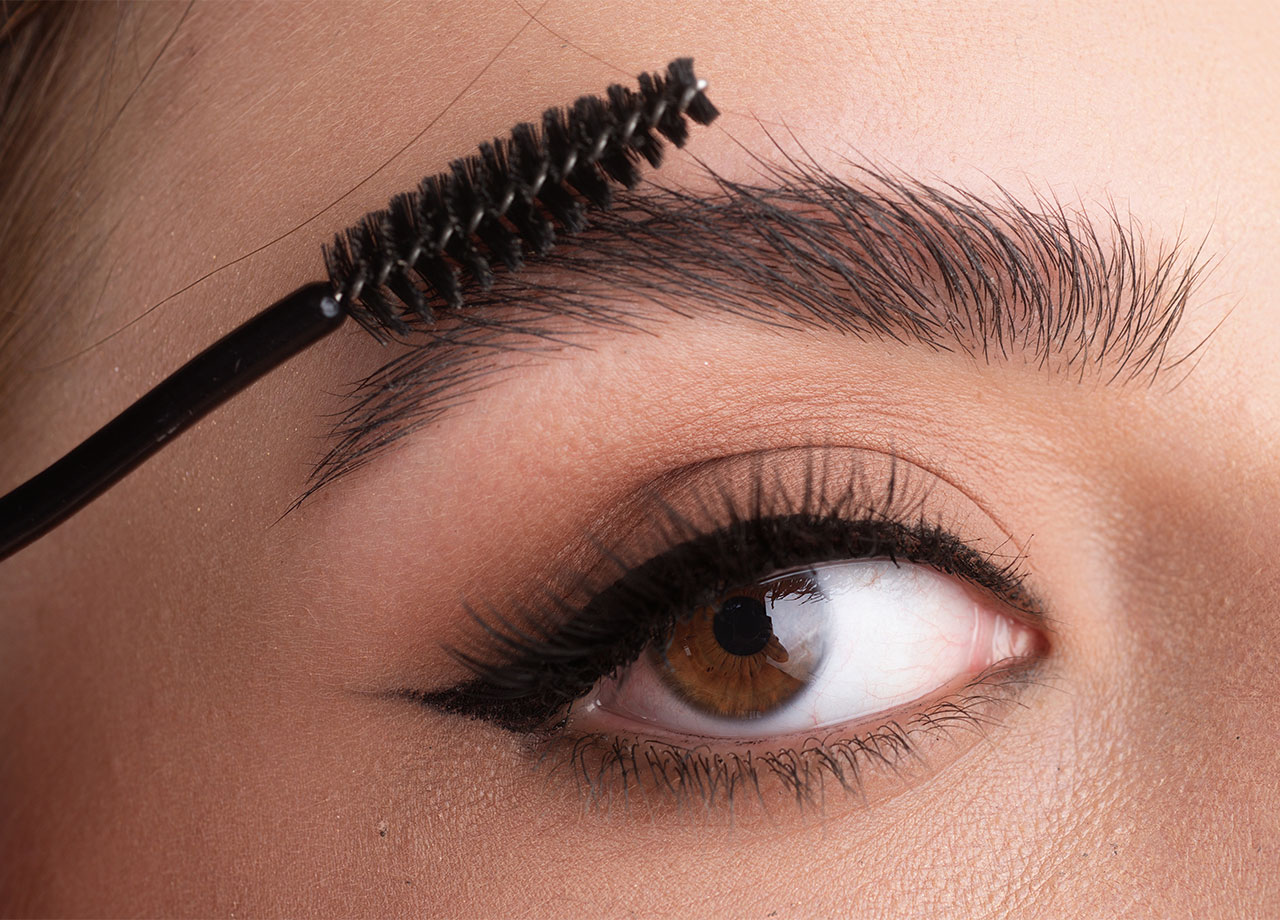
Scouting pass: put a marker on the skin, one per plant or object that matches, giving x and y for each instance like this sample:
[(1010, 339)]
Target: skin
[(195, 717)]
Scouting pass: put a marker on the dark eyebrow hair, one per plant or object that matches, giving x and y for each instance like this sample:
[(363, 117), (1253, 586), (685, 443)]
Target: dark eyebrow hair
[(875, 256)]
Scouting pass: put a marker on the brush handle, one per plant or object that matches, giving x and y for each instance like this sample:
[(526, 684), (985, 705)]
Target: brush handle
[(205, 382)]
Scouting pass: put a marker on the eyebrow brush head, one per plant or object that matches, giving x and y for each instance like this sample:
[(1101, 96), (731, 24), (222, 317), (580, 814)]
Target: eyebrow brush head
[(414, 257)]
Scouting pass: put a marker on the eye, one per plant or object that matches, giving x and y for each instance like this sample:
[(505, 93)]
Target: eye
[(809, 650), (792, 614)]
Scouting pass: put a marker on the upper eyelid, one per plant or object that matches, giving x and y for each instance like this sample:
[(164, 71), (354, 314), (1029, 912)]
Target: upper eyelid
[(886, 256)]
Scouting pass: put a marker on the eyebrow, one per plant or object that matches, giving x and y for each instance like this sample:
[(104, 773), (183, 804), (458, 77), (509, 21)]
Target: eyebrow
[(878, 256)]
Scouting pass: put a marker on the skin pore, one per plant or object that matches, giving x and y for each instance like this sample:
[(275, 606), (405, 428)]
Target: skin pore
[(199, 710)]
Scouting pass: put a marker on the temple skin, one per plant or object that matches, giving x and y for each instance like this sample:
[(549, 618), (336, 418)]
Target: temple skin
[(196, 714)]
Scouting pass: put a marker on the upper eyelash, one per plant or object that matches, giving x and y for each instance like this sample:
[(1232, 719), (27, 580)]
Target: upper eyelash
[(526, 670)]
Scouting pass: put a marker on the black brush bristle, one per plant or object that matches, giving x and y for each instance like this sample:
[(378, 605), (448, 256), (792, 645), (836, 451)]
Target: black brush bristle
[(416, 256)]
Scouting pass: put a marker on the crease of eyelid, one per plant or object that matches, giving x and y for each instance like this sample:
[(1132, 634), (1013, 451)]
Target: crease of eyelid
[(879, 256)]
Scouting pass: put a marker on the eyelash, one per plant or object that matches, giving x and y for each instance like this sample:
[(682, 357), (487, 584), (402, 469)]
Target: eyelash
[(606, 768), (527, 674)]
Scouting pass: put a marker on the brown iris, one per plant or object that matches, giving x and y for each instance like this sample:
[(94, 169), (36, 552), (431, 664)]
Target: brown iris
[(725, 658)]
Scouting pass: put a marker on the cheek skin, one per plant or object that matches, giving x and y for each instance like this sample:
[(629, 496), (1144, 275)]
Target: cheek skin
[(185, 721)]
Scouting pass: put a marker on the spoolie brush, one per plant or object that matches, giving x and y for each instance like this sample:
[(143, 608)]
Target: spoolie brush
[(406, 262)]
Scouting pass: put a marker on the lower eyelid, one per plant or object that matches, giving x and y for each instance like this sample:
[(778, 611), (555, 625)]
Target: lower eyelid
[(646, 776)]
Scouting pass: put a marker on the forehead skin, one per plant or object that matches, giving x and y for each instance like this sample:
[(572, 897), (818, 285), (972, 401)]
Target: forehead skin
[(177, 666)]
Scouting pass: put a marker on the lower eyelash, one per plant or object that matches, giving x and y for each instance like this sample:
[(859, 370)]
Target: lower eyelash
[(611, 773)]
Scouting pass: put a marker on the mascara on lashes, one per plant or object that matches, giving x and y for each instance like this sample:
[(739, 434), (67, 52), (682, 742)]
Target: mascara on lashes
[(394, 267)]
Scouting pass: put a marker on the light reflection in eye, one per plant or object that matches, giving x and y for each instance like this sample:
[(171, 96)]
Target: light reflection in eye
[(809, 650)]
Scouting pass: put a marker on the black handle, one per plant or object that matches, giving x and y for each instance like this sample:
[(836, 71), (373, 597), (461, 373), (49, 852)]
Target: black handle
[(209, 379)]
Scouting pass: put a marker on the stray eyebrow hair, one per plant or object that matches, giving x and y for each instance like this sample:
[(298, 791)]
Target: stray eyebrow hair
[(877, 256)]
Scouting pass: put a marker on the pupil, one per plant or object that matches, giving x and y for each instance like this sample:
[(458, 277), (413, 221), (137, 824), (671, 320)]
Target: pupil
[(741, 626)]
